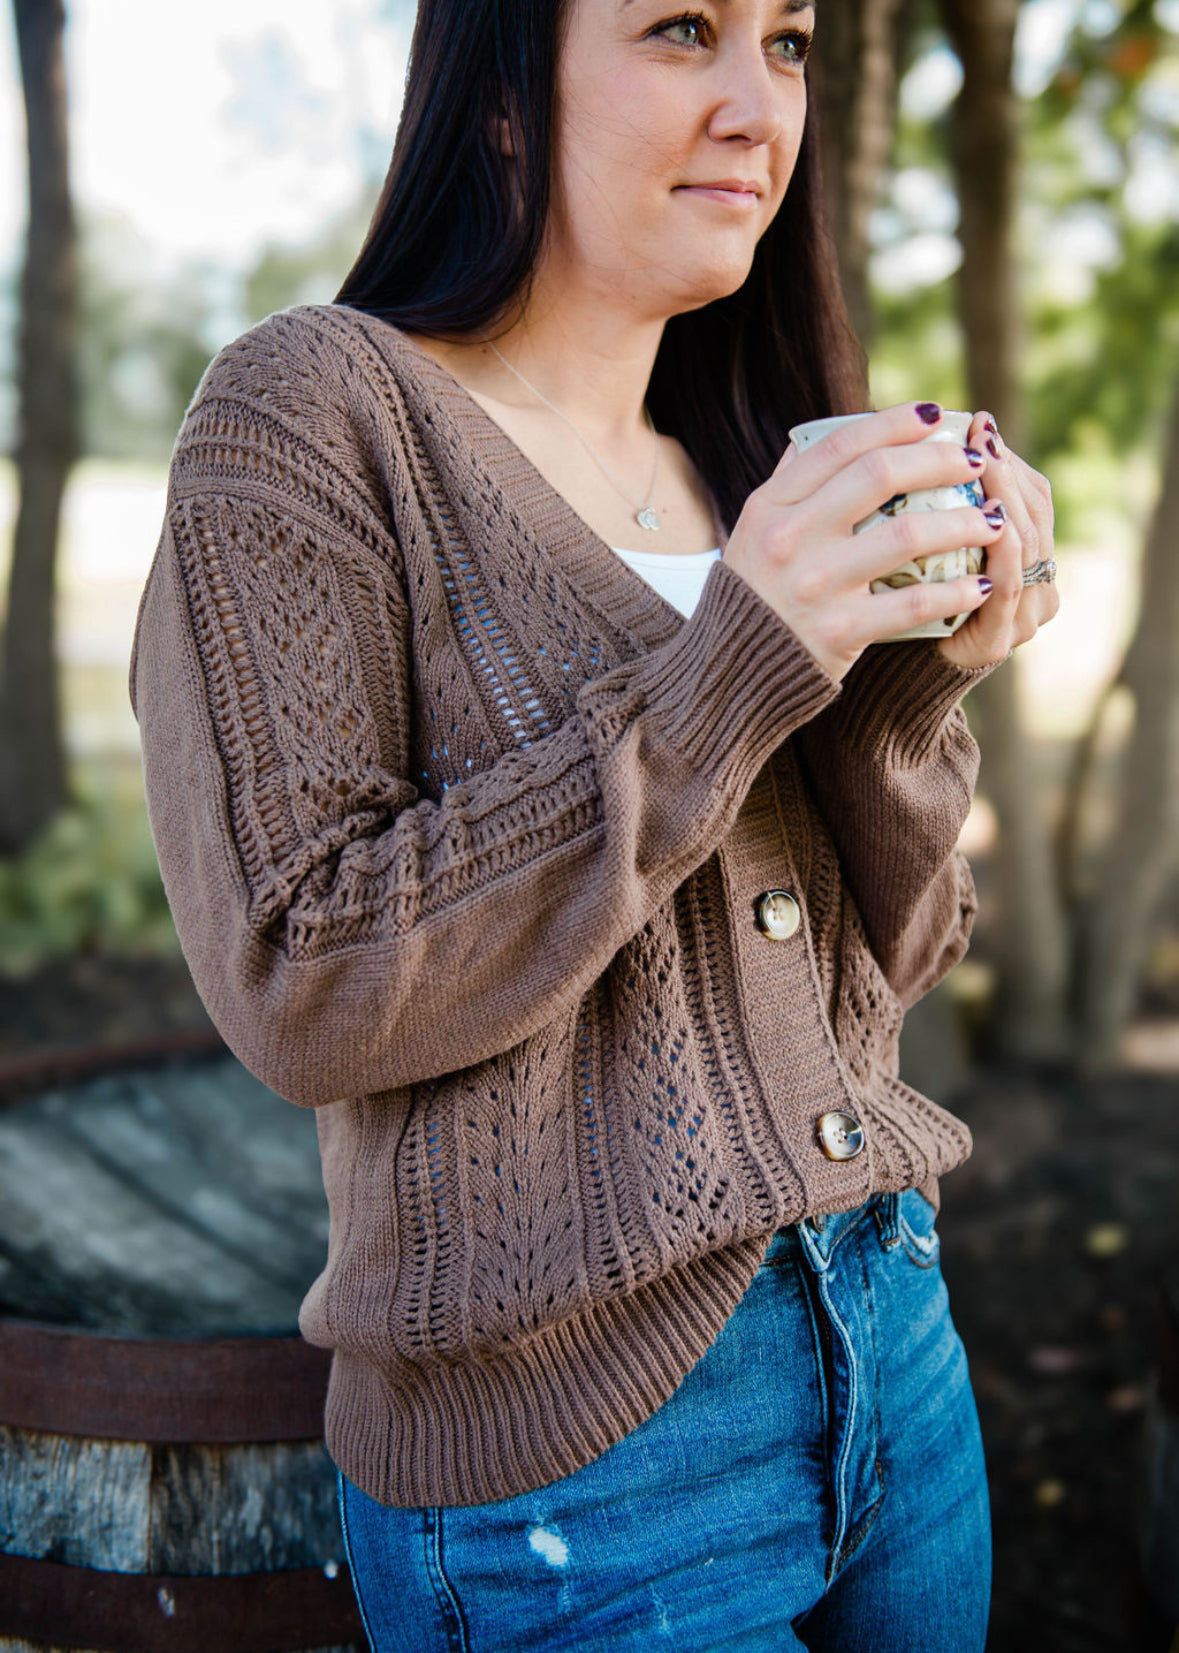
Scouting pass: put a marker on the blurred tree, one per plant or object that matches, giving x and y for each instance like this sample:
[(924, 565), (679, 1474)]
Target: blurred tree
[(1077, 357), (32, 759), (1029, 1016), (856, 81), (1111, 363), (1116, 923)]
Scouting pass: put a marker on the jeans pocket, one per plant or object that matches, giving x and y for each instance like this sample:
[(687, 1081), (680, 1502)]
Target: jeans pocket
[(916, 1220)]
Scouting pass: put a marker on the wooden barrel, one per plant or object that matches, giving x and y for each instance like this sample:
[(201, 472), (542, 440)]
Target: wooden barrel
[(163, 1479)]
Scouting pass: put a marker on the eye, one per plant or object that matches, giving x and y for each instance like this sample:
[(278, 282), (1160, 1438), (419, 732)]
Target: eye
[(792, 47), (688, 30)]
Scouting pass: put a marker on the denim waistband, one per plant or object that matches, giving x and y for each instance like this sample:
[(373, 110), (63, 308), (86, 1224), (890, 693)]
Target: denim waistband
[(817, 1237)]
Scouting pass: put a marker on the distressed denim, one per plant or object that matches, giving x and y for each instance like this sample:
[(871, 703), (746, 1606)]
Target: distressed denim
[(816, 1481)]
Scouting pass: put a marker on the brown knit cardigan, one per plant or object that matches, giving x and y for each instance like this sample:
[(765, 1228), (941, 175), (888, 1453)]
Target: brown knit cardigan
[(463, 829)]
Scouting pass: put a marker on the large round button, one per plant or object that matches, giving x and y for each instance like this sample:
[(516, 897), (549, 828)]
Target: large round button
[(841, 1135), (778, 915)]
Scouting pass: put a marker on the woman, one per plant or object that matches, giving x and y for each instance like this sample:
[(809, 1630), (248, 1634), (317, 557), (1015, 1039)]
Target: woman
[(584, 903)]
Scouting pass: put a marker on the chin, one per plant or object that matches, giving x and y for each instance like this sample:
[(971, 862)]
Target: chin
[(708, 286)]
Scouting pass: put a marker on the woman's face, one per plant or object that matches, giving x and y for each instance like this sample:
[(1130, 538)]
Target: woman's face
[(677, 132)]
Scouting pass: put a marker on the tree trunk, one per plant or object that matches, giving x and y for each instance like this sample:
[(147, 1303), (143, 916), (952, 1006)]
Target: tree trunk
[(1143, 850), (32, 759), (1028, 1015), (856, 89)]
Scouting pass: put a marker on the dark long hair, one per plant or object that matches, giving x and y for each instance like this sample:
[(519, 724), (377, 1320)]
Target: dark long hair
[(458, 229)]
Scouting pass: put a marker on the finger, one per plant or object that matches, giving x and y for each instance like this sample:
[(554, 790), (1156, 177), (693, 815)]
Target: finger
[(1004, 552), (984, 435), (879, 480), (889, 545), (1035, 500), (992, 628), (1028, 498), (812, 467), (1037, 605), (884, 613), (1002, 565), (1005, 484)]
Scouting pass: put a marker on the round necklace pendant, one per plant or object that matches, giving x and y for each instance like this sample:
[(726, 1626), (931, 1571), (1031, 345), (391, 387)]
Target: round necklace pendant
[(647, 518)]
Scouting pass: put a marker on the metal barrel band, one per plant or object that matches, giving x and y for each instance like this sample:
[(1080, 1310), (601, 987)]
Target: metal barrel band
[(161, 1390), (281, 1612)]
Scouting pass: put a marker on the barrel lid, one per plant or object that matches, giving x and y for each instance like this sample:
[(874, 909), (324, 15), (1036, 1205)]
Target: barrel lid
[(178, 1201)]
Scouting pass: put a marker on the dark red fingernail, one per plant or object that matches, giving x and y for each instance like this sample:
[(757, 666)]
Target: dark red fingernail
[(993, 448), (996, 515), (989, 424), (985, 586), (973, 457), (928, 412)]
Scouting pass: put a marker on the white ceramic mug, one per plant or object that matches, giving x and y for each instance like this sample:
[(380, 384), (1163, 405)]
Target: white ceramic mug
[(942, 565)]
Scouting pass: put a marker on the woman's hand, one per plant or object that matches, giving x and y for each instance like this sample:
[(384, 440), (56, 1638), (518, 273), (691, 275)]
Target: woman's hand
[(794, 541), (1014, 612)]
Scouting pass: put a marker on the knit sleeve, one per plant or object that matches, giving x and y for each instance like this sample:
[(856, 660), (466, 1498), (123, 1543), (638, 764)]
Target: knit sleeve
[(347, 934), (894, 764)]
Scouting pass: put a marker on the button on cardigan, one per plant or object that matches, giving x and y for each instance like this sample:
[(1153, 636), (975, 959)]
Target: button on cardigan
[(464, 830)]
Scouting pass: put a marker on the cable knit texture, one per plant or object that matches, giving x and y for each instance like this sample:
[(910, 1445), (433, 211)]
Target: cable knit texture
[(463, 829)]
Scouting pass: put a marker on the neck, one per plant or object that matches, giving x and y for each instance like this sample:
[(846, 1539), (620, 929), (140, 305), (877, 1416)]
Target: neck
[(594, 371), (586, 358), (587, 367)]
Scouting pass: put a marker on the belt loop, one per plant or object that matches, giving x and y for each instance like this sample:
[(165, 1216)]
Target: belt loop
[(888, 1221)]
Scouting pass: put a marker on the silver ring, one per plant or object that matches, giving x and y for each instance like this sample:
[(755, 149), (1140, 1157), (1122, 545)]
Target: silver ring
[(1040, 573)]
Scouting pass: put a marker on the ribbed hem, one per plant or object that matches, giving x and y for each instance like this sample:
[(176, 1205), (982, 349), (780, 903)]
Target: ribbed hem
[(470, 1434), (898, 696), (733, 683), (482, 1429)]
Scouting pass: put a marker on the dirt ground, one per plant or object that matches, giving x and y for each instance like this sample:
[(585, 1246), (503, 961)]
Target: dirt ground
[(1057, 1236)]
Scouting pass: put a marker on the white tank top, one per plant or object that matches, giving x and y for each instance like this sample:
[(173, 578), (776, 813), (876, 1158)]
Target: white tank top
[(678, 577)]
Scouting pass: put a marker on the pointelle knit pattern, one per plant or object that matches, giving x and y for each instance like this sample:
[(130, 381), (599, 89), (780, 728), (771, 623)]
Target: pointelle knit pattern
[(463, 829)]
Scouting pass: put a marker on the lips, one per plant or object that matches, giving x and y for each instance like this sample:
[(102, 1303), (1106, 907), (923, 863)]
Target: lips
[(731, 186)]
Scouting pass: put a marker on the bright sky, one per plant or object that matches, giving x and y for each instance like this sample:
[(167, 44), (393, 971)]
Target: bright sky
[(218, 127)]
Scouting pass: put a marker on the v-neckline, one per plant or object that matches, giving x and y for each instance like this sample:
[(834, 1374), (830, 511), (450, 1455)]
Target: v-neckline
[(620, 594)]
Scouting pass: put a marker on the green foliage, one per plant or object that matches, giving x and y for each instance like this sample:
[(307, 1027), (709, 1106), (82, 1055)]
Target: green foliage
[(1101, 273), (309, 274), (145, 340), (1110, 356), (89, 883), (142, 344), (1112, 360), (917, 351)]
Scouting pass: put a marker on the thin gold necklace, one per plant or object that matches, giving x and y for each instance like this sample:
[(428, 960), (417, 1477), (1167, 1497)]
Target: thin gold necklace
[(645, 514)]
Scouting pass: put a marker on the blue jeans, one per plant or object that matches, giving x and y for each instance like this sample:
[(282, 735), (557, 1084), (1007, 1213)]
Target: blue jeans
[(816, 1481)]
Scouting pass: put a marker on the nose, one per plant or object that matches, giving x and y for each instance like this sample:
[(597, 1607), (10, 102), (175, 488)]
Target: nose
[(748, 104)]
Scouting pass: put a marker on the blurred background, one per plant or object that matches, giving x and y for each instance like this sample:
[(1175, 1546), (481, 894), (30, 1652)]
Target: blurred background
[(1003, 182)]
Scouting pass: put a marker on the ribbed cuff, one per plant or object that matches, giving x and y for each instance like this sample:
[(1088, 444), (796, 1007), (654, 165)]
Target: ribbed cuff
[(733, 682), (898, 696)]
